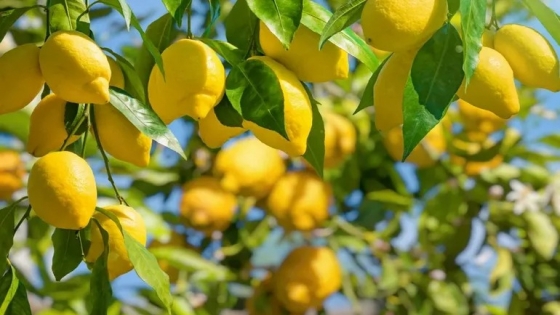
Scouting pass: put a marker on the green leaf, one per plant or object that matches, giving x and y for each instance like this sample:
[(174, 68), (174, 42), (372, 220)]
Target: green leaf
[(215, 11), (67, 252), (64, 15), (241, 26), (9, 17), (177, 9), (282, 17), (367, 97), (546, 16), (230, 53), (7, 226), (145, 119), (186, 259), (315, 17), (133, 84), (100, 286), (123, 8), (8, 288), (73, 115), (343, 17), (542, 234), (227, 115), (315, 152), (254, 91), (473, 15), (453, 7), (20, 302), (160, 34)]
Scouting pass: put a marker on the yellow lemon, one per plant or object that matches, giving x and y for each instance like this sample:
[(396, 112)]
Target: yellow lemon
[(118, 262), (239, 174), (75, 68), (381, 54), (475, 168), (492, 85), (530, 55), (206, 206), (213, 133), (299, 201), (62, 190), (477, 119), (20, 77), (46, 127), (12, 171), (340, 138), (388, 90), (306, 277), (304, 57), (176, 240), (396, 25), (488, 38), (298, 115), (194, 83), (117, 76)]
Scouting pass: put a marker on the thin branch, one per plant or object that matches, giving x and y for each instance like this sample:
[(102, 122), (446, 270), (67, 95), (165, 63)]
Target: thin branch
[(25, 215), (74, 130)]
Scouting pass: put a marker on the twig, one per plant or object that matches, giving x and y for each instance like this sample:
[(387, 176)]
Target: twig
[(25, 215), (86, 133), (73, 132), (48, 20), (189, 13)]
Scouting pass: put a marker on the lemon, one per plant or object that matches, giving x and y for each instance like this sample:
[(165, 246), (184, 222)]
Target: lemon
[(46, 126), (340, 138), (381, 54), (263, 302), (396, 25), (388, 90), (118, 262), (298, 115), (131, 145), (239, 174), (75, 68), (530, 55), (213, 133), (176, 240), (479, 120), (306, 277), (299, 201), (475, 168), (62, 190), (304, 57), (492, 85), (206, 206), (194, 83), (20, 77), (420, 156), (12, 171)]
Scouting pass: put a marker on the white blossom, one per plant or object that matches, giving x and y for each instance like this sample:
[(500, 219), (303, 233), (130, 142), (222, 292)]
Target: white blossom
[(523, 197)]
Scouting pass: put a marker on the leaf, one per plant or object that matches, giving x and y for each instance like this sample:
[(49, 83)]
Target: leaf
[(215, 11), (367, 97), (100, 286), (145, 119), (542, 234), (9, 17), (282, 17), (315, 152), (473, 15), (123, 8), (315, 17), (241, 26), (177, 9), (254, 91), (8, 288), (7, 226), (133, 84), (67, 252), (546, 16), (186, 259), (160, 33), (230, 53), (343, 17), (227, 115), (453, 7), (73, 115), (20, 302), (64, 15)]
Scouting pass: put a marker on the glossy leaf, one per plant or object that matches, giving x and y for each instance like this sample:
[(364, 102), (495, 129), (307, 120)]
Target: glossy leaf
[(8, 288), (186, 259), (227, 115), (123, 8), (282, 17), (67, 252), (546, 16), (315, 152), (473, 15), (100, 285), (542, 234), (9, 17), (215, 11), (64, 15), (7, 225), (453, 6), (343, 17), (230, 53), (177, 9), (133, 84), (241, 26), (367, 97), (20, 302)]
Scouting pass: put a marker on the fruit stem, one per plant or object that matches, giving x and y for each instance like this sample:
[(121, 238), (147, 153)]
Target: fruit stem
[(189, 13), (74, 130), (47, 20), (493, 18), (25, 215), (86, 133)]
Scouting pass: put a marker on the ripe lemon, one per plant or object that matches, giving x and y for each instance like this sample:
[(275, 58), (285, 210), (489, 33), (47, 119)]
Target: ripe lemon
[(263, 301), (479, 120), (388, 90), (306, 277), (396, 25), (492, 85), (12, 171), (20, 77), (299, 201), (420, 156), (239, 174), (118, 262), (176, 240), (213, 133), (340, 138), (475, 168), (530, 55), (46, 127), (304, 57), (75, 68), (194, 83), (62, 190), (206, 206), (131, 145), (298, 115)]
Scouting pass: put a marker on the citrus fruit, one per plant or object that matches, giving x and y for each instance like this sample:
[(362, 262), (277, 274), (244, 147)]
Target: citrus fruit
[(263, 301), (194, 81), (340, 138), (304, 57), (298, 114), (479, 120), (75, 68), (117, 76), (239, 173), (12, 171), (475, 168), (118, 262), (213, 133), (530, 55), (20, 77), (492, 85), (62, 190), (396, 26), (206, 206), (47, 130)]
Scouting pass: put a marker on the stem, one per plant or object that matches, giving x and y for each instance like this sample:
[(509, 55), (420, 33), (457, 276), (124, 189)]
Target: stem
[(74, 130), (105, 158), (86, 134), (189, 13), (493, 18), (48, 20), (25, 215)]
